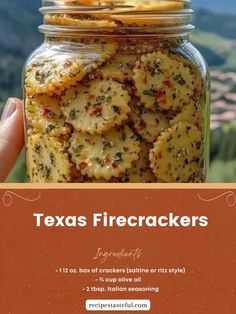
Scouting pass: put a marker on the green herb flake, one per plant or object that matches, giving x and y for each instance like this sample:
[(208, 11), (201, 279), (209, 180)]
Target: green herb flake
[(37, 148), (117, 109), (180, 80), (47, 172), (150, 92), (154, 68), (41, 76), (100, 162), (106, 144), (118, 157), (50, 127), (52, 158), (72, 114), (130, 66)]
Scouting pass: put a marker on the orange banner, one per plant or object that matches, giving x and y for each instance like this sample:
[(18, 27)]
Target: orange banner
[(75, 250)]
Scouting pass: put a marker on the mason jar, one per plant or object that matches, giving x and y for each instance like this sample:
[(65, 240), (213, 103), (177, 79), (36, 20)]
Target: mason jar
[(117, 93)]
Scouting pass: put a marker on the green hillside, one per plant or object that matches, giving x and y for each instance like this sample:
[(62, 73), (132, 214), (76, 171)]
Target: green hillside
[(220, 52), (219, 23)]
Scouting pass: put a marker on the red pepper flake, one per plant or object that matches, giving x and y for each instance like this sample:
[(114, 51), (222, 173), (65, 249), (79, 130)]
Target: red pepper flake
[(168, 84), (142, 125), (160, 155), (114, 165), (86, 108), (138, 66), (91, 97), (161, 97), (47, 113), (198, 126), (97, 111), (107, 159), (67, 64), (71, 129), (83, 164), (145, 80)]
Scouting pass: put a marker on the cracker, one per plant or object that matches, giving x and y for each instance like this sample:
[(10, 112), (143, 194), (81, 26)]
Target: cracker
[(162, 82), (119, 68), (177, 154), (147, 123), (79, 21), (47, 161), (44, 115), (191, 113), (53, 76), (105, 156), (140, 172), (96, 107)]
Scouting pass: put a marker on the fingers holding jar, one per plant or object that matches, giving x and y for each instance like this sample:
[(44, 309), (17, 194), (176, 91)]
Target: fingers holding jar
[(11, 136)]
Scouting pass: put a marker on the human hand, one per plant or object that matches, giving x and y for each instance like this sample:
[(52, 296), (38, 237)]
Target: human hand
[(11, 136)]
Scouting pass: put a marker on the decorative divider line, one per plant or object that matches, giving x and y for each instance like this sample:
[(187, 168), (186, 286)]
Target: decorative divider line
[(8, 198), (230, 198)]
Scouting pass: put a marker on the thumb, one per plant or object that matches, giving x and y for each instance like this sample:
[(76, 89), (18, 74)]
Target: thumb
[(11, 136)]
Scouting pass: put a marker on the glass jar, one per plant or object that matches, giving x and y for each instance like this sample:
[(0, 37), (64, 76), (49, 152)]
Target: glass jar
[(116, 93)]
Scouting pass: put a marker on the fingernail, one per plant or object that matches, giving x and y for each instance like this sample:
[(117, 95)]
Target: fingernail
[(9, 108)]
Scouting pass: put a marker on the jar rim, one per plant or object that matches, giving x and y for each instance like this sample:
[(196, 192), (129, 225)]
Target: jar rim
[(72, 31)]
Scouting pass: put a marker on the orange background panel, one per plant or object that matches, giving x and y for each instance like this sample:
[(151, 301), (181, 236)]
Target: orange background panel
[(30, 256)]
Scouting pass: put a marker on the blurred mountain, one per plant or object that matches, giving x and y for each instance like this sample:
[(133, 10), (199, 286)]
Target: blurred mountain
[(222, 24), (18, 22), (18, 37), (215, 37)]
